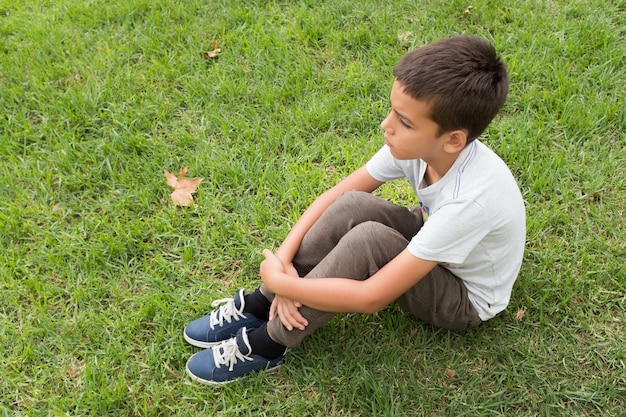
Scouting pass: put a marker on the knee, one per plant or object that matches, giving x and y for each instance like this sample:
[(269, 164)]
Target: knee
[(349, 201), (371, 231), (370, 228), (372, 245)]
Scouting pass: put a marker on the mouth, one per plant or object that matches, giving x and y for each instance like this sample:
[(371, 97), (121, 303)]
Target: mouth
[(387, 142)]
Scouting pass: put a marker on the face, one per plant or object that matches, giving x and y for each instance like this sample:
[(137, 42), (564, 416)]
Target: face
[(409, 132)]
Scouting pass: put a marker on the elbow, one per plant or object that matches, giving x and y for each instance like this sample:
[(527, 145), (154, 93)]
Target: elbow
[(371, 309), (372, 305), (369, 300)]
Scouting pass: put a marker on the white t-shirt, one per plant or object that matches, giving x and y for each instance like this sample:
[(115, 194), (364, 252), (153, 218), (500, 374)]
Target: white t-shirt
[(475, 221)]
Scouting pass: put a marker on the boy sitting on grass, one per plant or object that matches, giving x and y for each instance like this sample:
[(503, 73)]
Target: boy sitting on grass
[(451, 262)]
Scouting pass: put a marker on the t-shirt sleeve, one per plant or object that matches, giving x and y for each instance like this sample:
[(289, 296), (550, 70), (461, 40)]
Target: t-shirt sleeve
[(383, 166), (451, 233)]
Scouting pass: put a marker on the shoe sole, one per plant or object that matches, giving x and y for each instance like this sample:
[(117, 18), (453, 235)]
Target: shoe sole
[(200, 344), (219, 383), (206, 345)]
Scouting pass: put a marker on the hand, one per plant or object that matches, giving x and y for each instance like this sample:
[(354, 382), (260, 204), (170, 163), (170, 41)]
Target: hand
[(288, 313), (271, 269), (272, 272)]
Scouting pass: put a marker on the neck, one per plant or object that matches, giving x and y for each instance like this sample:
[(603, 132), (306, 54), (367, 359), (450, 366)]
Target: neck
[(435, 170)]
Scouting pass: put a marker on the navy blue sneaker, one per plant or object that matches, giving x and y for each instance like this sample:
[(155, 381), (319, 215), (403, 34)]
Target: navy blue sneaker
[(229, 360), (222, 323)]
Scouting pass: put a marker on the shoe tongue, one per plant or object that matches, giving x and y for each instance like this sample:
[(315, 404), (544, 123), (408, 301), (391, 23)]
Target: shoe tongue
[(243, 344), (239, 300)]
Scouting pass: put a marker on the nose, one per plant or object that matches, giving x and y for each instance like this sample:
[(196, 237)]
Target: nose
[(385, 125)]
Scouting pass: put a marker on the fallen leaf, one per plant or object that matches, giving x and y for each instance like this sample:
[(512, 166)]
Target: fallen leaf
[(466, 11), (450, 373), (183, 187), (520, 314), (212, 54)]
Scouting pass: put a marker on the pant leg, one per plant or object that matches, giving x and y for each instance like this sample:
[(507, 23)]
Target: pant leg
[(362, 251), (357, 235), (440, 298), (348, 211)]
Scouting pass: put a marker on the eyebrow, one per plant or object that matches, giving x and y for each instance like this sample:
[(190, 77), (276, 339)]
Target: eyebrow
[(400, 115), (403, 117)]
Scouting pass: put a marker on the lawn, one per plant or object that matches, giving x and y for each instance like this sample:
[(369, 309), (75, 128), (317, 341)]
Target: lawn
[(100, 272)]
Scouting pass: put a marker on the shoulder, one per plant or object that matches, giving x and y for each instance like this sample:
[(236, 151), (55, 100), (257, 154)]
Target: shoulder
[(483, 177), (480, 170)]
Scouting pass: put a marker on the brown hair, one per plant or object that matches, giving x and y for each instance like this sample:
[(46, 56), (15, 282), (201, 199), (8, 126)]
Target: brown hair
[(461, 78)]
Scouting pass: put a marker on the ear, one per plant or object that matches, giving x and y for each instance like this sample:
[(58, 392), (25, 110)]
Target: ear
[(456, 141)]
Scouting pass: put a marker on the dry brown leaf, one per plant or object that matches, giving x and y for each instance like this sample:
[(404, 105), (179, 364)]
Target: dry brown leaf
[(520, 314), (214, 53), (466, 12), (450, 373), (183, 187)]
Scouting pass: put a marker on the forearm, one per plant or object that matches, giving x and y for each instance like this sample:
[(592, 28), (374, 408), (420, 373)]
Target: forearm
[(287, 250), (358, 180), (337, 295), (290, 245)]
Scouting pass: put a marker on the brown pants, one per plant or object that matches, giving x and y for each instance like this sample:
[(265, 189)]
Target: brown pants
[(355, 237)]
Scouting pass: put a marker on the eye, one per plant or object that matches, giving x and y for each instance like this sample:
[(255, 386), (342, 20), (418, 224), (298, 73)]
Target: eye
[(405, 124)]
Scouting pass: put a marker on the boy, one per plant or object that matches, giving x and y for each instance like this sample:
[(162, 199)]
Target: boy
[(451, 262)]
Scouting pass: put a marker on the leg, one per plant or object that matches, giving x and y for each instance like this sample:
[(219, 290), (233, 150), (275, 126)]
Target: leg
[(440, 299), (354, 237), (365, 249), (348, 211)]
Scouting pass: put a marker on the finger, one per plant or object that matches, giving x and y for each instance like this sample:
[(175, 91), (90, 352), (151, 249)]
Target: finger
[(300, 321), (284, 318), (295, 318), (272, 310)]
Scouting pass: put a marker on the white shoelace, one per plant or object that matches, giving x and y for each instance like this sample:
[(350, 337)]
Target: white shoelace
[(226, 311), (227, 353)]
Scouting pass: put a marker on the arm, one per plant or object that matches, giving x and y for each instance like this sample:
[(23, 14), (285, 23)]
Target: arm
[(347, 295), (359, 180), (285, 307)]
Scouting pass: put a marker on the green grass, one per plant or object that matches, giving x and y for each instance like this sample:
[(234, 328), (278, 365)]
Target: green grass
[(99, 273)]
